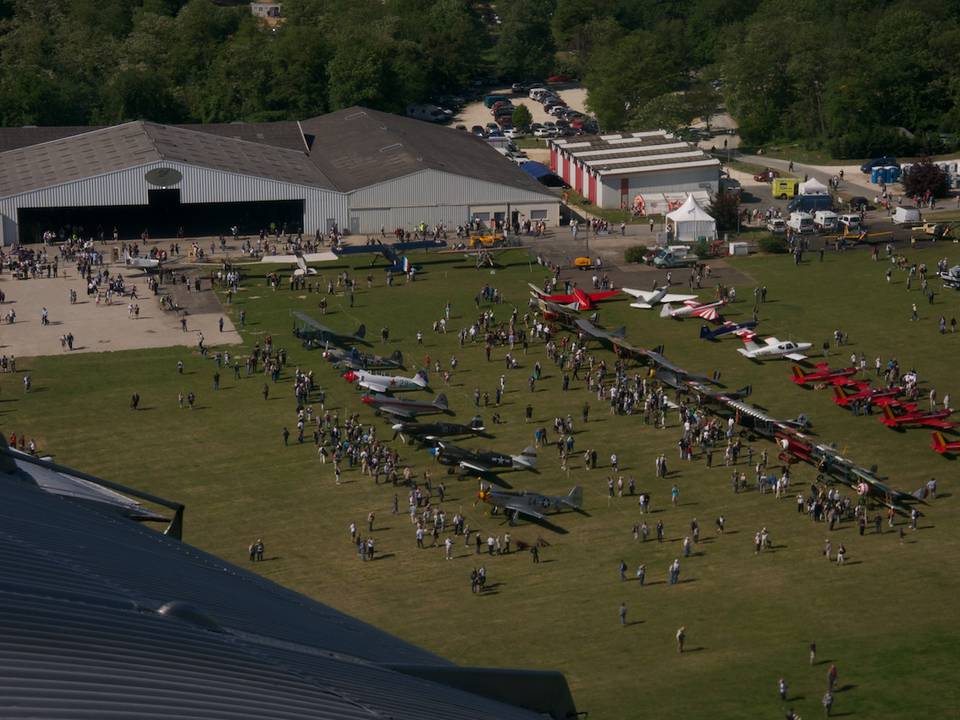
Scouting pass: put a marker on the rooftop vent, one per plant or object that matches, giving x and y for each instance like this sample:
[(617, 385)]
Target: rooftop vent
[(189, 614)]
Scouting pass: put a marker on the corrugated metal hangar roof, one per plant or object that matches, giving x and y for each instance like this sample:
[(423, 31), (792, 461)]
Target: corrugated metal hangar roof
[(342, 151), (102, 617)]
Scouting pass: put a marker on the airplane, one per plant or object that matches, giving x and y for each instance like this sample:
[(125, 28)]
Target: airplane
[(357, 360), (899, 415), (431, 431), (142, 263), (773, 348), (314, 334), (727, 328), (552, 311), (531, 504), (578, 299), (846, 395), (823, 373), (944, 447), (386, 383), (302, 268), (406, 408), (692, 308), (484, 461), (649, 298), (391, 252)]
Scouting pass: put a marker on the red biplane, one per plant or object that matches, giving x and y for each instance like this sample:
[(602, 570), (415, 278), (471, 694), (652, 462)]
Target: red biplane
[(898, 415), (578, 299), (942, 446), (824, 374)]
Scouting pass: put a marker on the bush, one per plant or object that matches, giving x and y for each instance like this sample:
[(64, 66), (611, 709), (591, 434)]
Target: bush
[(701, 249), (774, 244), (634, 253)]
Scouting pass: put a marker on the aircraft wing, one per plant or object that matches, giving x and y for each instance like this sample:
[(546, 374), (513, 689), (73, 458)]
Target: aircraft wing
[(941, 424), (771, 341), (642, 294), (475, 466), (375, 385), (602, 295), (521, 509), (677, 298), (796, 356), (397, 410)]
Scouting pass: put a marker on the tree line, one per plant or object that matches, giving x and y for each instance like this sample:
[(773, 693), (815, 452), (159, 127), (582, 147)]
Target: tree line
[(849, 76)]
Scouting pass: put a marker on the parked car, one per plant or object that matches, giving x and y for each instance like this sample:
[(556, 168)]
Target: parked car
[(767, 175), (514, 133), (489, 100), (559, 78), (545, 132), (520, 88), (777, 225), (478, 130), (492, 126), (884, 161)]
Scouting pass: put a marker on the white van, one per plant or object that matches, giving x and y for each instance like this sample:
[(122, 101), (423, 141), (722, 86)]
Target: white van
[(430, 113), (850, 222), (825, 221), (801, 222), (537, 93)]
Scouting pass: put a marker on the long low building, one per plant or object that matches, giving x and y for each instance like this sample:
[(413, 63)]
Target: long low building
[(357, 169), (651, 171)]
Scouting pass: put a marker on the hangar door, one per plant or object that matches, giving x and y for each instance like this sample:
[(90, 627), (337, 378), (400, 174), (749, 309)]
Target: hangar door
[(162, 217)]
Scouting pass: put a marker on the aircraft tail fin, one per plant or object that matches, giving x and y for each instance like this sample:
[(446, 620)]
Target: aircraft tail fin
[(888, 413), (658, 349), (575, 497), (361, 331), (441, 402), (939, 444), (421, 379), (397, 357), (706, 333), (742, 392), (666, 310), (620, 332), (798, 375), (840, 393)]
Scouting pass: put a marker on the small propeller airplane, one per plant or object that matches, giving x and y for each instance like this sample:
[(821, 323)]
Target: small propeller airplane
[(578, 299), (744, 329), (824, 373), (943, 446), (649, 298), (773, 349), (357, 360), (484, 461), (846, 395), (406, 408), (386, 383), (425, 432), (315, 334), (691, 308), (900, 415), (141, 263), (531, 504)]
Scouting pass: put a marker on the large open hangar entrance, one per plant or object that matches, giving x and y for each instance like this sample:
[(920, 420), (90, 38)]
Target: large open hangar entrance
[(163, 216)]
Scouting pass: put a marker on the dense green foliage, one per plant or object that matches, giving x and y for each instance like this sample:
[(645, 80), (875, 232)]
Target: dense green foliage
[(634, 253), (924, 178), (774, 244), (725, 208), (521, 117), (83, 61)]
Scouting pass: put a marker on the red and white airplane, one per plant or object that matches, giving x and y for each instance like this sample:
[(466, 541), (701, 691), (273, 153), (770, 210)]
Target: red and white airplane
[(897, 415), (942, 446), (824, 374), (846, 395), (578, 299), (692, 308)]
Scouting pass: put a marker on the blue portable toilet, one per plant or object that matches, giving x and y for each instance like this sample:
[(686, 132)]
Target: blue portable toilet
[(894, 174), (875, 175)]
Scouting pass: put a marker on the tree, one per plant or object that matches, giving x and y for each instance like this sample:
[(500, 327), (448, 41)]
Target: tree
[(924, 178), (525, 46), (725, 208), (521, 117)]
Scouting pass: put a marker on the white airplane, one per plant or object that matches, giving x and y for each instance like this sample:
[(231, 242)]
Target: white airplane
[(386, 383), (302, 268), (141, 263), (773, 349), (692, 308), (649, 298)]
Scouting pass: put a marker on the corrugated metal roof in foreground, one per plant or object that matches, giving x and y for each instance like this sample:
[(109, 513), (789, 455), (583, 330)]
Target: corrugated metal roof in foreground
[(83, 634)]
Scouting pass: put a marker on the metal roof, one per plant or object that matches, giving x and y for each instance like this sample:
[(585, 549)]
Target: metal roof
[(633, 152), (357, 147), (342, 151), (102, 617)]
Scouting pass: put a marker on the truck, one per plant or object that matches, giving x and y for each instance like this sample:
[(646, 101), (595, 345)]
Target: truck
[(673, 257), (810, 203), (784, 188), (801, 222)]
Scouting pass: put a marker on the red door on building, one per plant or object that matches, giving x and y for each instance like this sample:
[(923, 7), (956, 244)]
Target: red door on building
[(592, 196), (580, 178), (553, 158), (624, 192), (566, 170)]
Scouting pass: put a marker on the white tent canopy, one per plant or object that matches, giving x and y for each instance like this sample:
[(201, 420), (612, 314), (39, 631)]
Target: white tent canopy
[(691, 222), (813, 187)]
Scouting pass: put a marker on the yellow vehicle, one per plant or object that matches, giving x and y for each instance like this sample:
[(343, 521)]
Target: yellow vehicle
[(784, 188), (486, 241), (583, 262)]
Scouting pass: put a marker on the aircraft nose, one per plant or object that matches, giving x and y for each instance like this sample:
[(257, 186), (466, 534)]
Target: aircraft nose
[(349, 376)]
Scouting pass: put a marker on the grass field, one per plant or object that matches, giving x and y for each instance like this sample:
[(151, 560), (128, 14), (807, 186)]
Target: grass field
[(887, 618)]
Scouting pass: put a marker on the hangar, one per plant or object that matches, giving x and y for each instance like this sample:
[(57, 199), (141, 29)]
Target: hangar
[(357, 169), (653, 171)]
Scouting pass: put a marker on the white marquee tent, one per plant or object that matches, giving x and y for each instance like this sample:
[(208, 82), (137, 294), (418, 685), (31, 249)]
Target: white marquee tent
[(813, 187), (691, 222)]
